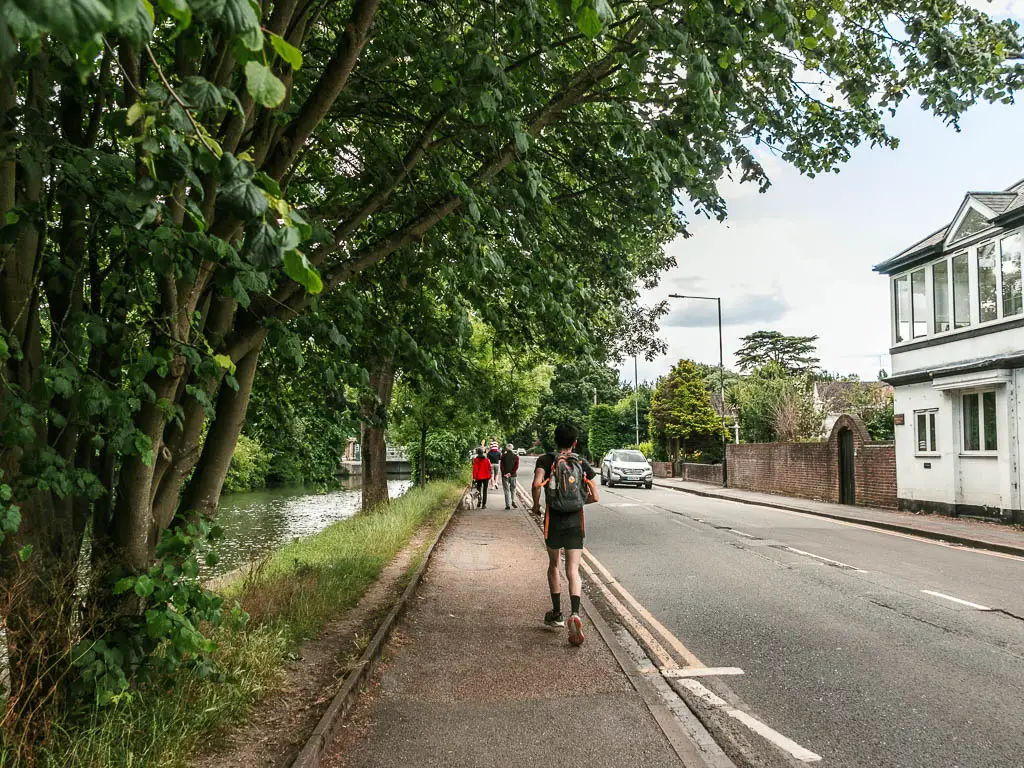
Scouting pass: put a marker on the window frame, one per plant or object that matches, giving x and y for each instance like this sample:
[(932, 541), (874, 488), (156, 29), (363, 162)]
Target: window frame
[(930, 416), (981, 450), (971, 253)]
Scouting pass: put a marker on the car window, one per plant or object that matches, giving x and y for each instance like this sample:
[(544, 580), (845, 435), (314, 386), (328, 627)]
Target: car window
[(630, 456)]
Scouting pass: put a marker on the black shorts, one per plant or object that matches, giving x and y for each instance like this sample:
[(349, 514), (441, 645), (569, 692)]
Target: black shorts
[(564, 538)]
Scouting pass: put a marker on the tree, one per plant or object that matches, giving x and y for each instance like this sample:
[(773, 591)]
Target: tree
[(181, 181), (602, 431), (681, 411), (776, 406), (795, 354)]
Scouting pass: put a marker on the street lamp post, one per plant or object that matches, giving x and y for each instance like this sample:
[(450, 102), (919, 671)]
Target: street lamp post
[(636, 402), (721, 377)]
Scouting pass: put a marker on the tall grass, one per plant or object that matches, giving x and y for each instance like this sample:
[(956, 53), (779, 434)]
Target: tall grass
[(289, 595)]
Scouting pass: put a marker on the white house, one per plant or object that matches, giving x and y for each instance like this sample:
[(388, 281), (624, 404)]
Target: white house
[(958, 361)]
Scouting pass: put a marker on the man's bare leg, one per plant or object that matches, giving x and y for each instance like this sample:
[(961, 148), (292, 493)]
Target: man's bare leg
[(572, 573), (554, 617)]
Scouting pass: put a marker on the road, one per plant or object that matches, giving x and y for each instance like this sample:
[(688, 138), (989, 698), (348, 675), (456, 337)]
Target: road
[(851, 640)]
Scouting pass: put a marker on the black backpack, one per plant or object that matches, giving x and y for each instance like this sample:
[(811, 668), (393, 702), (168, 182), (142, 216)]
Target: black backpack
[(566, 486)]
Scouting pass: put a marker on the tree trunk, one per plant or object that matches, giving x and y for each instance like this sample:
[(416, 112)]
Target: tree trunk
[(203, 493), (375, 422), (423, 455)]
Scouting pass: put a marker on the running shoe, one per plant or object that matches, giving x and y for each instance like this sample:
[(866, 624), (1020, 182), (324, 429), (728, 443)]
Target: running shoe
[(575, 630), (553, 619)]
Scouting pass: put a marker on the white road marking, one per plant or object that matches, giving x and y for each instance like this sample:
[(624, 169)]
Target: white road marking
[(671, 639), (870, 528), (968, 603), (663, 658), (826, 559), (701, 672), (620, 504), (741, 533), (800, 753)]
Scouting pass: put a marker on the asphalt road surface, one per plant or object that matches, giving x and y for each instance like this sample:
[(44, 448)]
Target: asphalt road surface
[(869, 648)]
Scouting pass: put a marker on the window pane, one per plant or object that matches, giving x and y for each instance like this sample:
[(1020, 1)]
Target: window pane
[(902, 308), (987, 282), (973, 222), (940, 293), (972, 429), (1012, 247), (988, 408), (931, 429), (922, 432), (920, 303), (961, 295)]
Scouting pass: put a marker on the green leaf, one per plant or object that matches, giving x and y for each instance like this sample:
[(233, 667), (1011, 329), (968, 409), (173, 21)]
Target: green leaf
[(263, 84), (201, 94), (810, 13), (437, 85), (25, 553), (240, 20), (144, 586), (224, 362), (286, 51), (588, 21), (178, 10), (4, 349), (810, 42), (298, 268), (123, 585)]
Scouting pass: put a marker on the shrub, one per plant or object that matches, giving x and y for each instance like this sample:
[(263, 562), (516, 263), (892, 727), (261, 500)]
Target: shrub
[(249, 466)]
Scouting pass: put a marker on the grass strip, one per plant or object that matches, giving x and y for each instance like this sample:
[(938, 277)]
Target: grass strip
[(289, 596)]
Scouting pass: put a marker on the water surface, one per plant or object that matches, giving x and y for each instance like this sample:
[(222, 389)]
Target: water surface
[(257, 522)]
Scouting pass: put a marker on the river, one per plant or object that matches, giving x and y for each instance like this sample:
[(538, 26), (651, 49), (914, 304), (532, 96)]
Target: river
[(257, 522)]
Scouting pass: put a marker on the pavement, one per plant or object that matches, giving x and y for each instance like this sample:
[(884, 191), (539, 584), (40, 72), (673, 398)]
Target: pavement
[(475, 679), (872, 648), (994, 536)]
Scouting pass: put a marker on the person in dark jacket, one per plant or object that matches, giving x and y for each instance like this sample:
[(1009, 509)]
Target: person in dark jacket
[(494, 454), (509, 470)]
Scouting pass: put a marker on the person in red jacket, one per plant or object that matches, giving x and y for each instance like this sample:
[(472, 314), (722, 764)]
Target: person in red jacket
[(481, 475)]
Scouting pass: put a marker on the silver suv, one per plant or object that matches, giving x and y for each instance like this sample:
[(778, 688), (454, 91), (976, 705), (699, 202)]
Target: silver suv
[(624, 466)]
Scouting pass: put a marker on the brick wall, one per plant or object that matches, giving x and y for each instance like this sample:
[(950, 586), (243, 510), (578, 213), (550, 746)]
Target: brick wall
[(662, 468), (875, 484), (702, 473), (788, 469), (811, 470)]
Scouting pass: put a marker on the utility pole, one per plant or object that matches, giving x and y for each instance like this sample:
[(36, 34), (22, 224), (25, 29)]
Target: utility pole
[(721, 380), (636, 402)]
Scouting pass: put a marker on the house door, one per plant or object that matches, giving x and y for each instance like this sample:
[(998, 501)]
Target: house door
[(847, 491)]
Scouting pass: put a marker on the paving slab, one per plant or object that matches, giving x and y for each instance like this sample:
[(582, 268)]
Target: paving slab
[(474, 678)]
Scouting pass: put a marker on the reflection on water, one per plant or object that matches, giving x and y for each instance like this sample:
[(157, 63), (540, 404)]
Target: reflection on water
[(259, 521)]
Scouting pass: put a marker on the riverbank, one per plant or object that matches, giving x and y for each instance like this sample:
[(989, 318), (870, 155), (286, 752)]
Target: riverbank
[(289, 596)]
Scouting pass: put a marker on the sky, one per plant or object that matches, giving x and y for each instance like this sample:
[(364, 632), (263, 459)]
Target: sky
[(798, 258)]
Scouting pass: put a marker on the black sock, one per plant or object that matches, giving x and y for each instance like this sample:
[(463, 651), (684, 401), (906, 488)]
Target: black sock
[(574, 600), (556, 602)]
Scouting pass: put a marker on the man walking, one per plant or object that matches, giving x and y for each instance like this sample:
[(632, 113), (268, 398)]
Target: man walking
[(509, 470), (568, 483), (494, 455)]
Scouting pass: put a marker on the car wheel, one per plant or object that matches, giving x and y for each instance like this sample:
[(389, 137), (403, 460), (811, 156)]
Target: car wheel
[(648, 485), (610, 483)]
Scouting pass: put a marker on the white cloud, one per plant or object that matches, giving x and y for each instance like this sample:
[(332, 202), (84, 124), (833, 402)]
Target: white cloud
[(1012, 8)]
